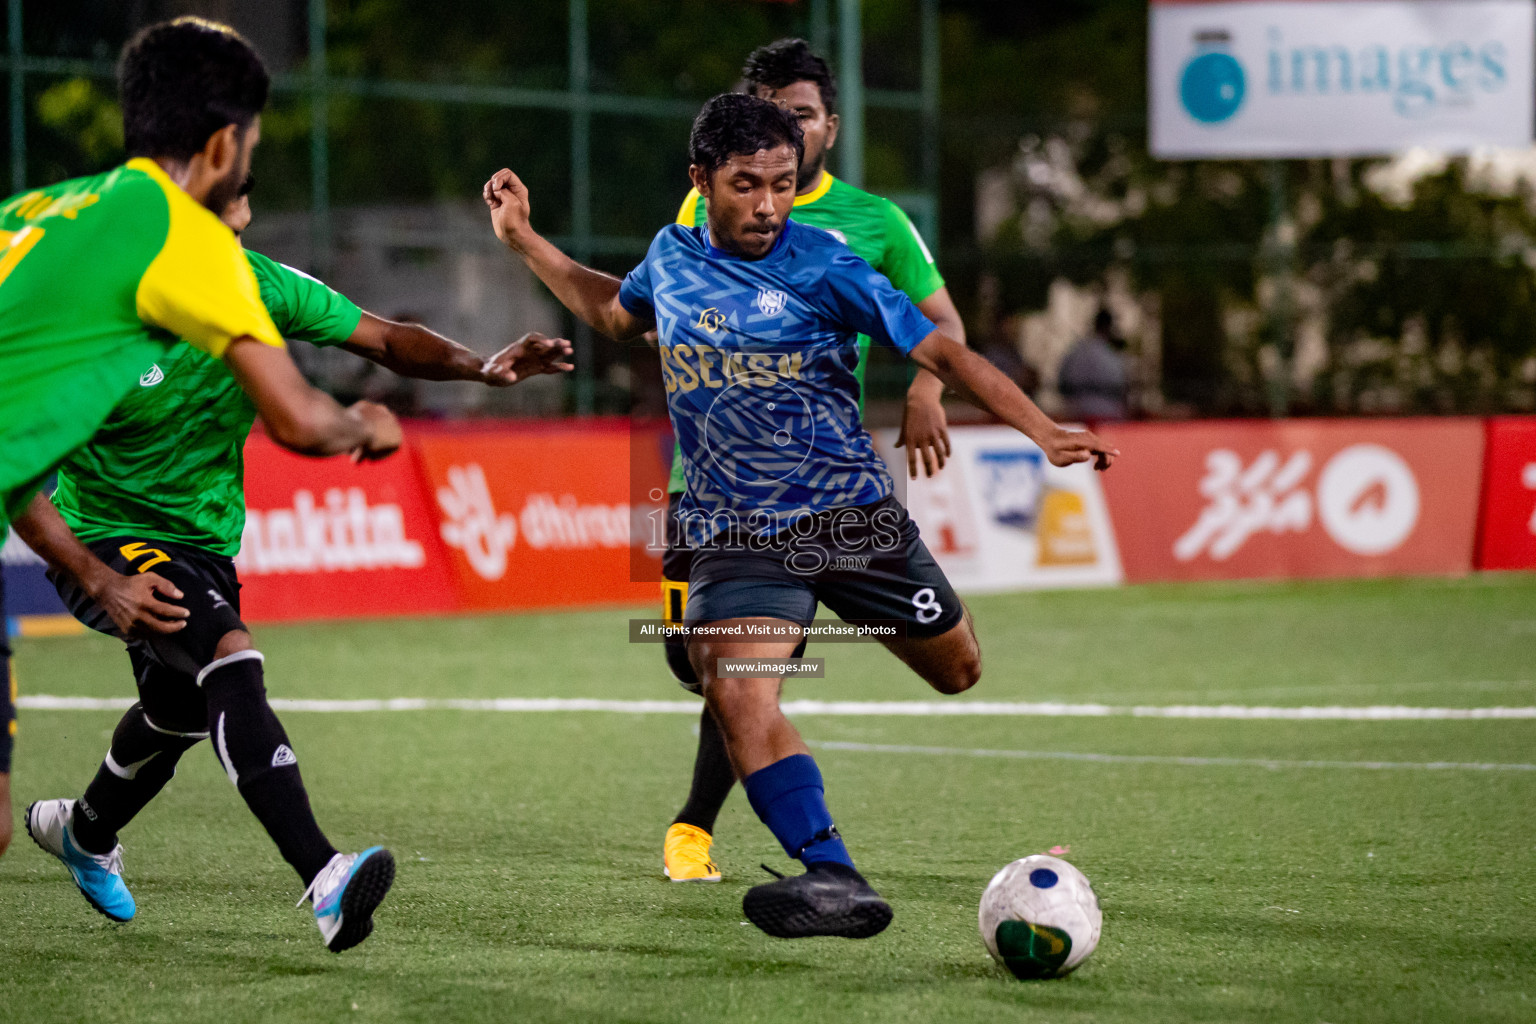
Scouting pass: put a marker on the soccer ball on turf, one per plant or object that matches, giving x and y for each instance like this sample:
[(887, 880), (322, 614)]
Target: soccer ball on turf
[(1040, 918)]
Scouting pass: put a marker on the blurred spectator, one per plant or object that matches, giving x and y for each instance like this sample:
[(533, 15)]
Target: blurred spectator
[(998, 344), (999, 349), (1092, 378)]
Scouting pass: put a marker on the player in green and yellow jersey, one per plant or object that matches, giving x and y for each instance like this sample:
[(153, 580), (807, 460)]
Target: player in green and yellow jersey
[(157, 495), (790, 74), (99, 277)]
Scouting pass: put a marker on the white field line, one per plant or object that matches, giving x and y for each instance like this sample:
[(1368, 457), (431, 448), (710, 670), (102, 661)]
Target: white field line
[(1196, 762), (915, 708)]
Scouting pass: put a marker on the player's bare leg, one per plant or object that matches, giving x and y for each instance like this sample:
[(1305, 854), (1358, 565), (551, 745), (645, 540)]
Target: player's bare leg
[(949, 662), (747, 710), (785, 789)]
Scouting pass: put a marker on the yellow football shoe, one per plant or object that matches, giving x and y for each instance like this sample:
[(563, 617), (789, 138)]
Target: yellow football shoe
[(685, 855)]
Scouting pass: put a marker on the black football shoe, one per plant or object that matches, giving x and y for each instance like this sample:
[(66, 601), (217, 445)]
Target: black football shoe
[(829, 899)]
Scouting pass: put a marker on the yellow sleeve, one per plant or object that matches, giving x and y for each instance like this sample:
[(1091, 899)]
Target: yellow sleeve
[(200, 286), (687, 214)]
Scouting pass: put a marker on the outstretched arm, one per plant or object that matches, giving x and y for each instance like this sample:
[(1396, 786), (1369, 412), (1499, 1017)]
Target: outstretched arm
[(591, 294), (412, 350), (987, 387), (304, 419), (133, 602)]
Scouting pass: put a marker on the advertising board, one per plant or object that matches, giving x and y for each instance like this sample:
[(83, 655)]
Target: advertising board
[(1338, 77)]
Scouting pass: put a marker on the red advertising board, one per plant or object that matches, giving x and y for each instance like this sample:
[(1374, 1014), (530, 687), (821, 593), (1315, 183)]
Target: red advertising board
[(1295, 498), (539, 518), (1507, 533), (328, 539)]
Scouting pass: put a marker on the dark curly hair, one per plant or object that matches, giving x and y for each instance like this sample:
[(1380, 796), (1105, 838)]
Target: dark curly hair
[(786, 62), (735, 124), (180, 81)]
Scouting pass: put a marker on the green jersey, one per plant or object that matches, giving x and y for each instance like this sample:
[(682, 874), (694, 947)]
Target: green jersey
[(169, 463), (99, 276), (876, 230)]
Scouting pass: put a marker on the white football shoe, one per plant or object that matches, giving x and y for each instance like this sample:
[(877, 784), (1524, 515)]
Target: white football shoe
[(99, 876), (346, 892)]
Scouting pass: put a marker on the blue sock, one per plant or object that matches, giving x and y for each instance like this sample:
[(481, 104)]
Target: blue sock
[(788, 796)]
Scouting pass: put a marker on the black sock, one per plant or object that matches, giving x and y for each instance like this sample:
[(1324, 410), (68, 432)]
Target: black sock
[(250, 743), (140, 761), (713, 777)]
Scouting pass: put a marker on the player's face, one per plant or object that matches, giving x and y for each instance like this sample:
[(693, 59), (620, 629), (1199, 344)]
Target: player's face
[(749, 198), (228, 187), (237, 214), (803, 99)]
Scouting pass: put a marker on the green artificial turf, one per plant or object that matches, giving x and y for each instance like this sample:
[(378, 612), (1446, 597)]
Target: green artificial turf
[(529, 844)]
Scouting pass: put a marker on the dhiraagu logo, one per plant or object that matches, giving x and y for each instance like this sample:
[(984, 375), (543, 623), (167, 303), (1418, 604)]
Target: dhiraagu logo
[(1213, 83)]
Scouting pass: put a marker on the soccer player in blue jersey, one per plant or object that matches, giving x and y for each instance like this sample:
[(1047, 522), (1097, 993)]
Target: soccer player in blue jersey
[(788, 503), (790, 74)]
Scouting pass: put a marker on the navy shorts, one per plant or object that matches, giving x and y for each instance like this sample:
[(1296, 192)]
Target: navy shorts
[(676, 567), (865, 563)]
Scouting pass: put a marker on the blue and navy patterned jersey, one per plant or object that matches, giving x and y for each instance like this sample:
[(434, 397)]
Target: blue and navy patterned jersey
[(759, 358)]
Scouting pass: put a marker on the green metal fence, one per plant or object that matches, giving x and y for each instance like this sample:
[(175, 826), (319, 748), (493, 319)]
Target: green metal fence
[(841, 35)]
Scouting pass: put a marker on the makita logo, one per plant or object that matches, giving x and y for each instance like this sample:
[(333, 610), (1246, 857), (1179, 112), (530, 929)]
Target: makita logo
[(342, 534)]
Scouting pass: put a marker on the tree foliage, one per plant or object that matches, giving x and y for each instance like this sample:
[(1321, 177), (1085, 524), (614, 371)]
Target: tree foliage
[(1421, 296)]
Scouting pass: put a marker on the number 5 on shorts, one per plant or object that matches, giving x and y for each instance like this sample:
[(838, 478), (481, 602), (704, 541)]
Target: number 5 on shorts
[(153, 556)]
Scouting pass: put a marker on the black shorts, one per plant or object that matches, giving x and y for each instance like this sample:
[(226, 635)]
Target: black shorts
[(7, 692), (865, 563), (166, 664)]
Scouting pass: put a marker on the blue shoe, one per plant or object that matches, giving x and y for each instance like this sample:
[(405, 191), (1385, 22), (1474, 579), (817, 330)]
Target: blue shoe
[(98, 875), (346, 893)]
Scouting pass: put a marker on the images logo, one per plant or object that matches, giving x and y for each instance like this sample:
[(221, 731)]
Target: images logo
[(1213, 85), (759, 430), (711, 320), (1420, 78)]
